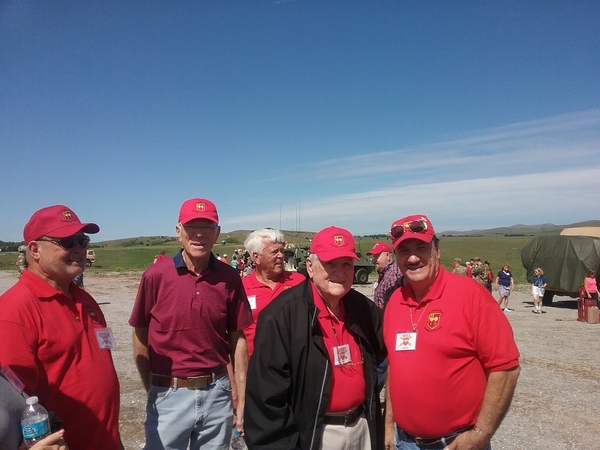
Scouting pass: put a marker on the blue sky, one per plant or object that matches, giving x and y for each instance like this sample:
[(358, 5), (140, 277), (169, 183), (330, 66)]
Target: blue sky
[(300, 113)]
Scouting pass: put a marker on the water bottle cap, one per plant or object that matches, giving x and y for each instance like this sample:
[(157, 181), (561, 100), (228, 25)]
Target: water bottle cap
[(32, 400)]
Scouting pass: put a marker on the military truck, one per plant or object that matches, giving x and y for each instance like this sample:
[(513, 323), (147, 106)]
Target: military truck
[(564, 260), (295, 261), (90, 258)]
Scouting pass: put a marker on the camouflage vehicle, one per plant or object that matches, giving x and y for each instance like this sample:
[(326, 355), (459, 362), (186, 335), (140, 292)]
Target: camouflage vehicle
[(295, 261), (564, 260), (90, 258)]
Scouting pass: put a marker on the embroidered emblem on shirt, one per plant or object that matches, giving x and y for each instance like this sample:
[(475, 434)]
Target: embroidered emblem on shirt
[(434, 319)]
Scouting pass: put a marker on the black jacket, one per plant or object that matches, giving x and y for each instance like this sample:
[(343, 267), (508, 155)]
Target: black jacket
[(289, 374)]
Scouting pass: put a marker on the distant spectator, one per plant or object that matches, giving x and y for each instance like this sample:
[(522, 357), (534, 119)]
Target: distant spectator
[(589, 285), (506, 283), (234, 262), (538, 288), (469, 268), (21, 259), (490, 275), (224, 258), (160, 257), (78, 280), (480, 272), (458, 268)]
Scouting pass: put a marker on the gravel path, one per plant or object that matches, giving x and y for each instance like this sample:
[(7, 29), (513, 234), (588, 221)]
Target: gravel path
[(556, 405)]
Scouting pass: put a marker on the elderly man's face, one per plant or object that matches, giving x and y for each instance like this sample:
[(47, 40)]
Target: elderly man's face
[(198, 237), (333, 279), (57, 263), (419, 262), (270, 261), (381, 260)]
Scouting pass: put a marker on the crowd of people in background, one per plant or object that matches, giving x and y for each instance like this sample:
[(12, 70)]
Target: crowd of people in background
[(482, 272)]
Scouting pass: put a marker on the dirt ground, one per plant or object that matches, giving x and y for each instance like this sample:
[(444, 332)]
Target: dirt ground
[(556, 404)]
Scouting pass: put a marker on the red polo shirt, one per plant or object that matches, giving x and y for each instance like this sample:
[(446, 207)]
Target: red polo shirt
[(189, 317), (462, 336), (260, 295), (348, 385), (49, 341)]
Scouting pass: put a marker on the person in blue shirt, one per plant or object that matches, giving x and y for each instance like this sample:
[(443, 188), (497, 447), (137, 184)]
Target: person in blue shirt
[(538, 287), (506, 284)]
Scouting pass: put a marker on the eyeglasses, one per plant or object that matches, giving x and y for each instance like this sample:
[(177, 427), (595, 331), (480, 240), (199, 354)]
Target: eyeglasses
[(69, 242), (414, 226), (195, 229)]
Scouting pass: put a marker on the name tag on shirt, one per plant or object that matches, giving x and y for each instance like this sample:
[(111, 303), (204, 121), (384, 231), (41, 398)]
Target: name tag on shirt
[(406, 341), (341, 355), (105, 337), (252, 301)]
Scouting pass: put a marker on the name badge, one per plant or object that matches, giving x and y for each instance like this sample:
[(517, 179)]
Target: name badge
[(406, 341), (105, 337), (341, 355), (252, 301)]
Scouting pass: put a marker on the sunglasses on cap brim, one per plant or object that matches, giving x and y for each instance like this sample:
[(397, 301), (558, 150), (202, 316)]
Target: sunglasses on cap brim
[(413, 226)]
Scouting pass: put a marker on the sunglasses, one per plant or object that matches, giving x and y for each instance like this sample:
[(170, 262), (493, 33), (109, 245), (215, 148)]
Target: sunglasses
[(69, 242), (414, 226)]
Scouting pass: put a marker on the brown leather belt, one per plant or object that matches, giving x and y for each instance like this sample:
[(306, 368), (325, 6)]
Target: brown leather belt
[(197, 382), (346, 419)]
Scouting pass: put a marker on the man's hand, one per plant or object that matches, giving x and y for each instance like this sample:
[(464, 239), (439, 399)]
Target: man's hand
[(469, 440)]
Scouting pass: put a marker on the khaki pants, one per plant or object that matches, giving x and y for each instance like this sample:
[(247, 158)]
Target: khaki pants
[(339, 437)]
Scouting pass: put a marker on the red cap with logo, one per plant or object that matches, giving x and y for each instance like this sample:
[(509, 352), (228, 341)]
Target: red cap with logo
[(417, 226), (333, 242), (56, 221), (379, 247), (198, 208)]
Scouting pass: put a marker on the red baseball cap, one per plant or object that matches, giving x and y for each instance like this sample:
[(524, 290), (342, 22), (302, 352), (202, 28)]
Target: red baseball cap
[(56, 221), (198, 208), (379, 247), (333, 242), (417, 226)]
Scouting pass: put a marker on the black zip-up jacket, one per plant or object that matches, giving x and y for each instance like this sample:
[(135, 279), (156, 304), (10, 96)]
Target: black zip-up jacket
[(289, 374)]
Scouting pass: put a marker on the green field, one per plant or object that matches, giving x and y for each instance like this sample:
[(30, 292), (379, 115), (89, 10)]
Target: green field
[(138, 254)]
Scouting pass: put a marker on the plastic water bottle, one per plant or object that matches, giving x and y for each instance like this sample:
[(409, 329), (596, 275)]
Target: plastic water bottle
[(34, 422)]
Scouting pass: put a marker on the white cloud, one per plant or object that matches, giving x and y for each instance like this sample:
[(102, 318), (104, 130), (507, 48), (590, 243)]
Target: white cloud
[(560, 196)]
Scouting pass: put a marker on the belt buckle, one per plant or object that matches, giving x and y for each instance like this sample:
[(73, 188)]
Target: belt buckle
[(199, 382), (419, 441)]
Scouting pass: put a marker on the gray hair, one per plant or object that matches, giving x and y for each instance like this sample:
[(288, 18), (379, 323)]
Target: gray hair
[(255, 242)]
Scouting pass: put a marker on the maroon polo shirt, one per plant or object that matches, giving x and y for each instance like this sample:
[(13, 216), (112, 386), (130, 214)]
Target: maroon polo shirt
[(188, 316)]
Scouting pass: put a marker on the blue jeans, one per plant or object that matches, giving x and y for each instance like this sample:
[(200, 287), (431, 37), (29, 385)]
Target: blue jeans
[(202, 418), (402, 442)]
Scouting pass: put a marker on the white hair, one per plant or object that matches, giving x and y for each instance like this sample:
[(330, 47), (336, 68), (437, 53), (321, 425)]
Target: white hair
[(255, 242)]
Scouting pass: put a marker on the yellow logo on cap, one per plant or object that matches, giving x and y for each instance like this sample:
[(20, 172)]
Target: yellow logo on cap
[(338, 239), (200, 207), (67, 215)]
